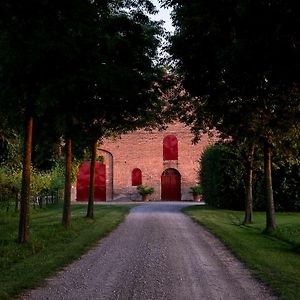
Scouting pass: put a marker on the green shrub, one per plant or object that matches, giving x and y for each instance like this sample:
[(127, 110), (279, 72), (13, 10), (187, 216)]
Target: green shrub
[(211, 175), (223, 179), (10, 185), (196, 190), (145, 190), (41, 183)]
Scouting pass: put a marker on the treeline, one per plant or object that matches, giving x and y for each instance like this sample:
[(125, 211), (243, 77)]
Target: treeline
[(71, 73), (223, 177)]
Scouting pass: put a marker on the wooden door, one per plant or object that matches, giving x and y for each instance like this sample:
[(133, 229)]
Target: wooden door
[(171, 185), (100, 182), (83, 182)]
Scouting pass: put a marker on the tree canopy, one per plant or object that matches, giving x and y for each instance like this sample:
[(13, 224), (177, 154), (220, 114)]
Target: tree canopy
[(239, 56), (77, 68), (240, 61)]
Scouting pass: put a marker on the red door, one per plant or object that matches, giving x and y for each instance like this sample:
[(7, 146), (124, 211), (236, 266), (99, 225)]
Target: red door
[(83, 182), (171, 185)]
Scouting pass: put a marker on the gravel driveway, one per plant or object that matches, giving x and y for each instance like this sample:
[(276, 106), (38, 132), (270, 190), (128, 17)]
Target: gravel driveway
[(157, 253)]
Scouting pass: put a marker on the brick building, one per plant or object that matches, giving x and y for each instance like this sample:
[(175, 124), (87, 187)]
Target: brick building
[(166, 160)]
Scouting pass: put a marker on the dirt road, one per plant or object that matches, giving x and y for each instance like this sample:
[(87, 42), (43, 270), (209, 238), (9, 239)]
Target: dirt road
[(157, 253)]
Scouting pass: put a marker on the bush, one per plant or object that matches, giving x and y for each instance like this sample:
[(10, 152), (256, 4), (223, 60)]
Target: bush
[(145, 190), (196, 190), (10, 185), (41, 183), (223, 179), (211, 176)]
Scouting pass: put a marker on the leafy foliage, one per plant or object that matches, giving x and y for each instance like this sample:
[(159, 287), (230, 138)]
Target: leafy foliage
[(240, 62), (223, 177), (87, 71), (42, 183), (145, 190), (196, 190)]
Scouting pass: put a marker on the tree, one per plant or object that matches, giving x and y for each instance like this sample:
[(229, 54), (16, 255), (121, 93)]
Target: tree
[(240, 62), (78, 60), (22, 44), (129, 41), (120, 55), (50, 41)]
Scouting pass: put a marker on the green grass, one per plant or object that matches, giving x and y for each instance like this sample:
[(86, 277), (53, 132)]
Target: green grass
[(274, 259), (51, 247)]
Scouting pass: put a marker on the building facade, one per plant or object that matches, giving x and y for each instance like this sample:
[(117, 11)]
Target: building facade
[(166, 160)]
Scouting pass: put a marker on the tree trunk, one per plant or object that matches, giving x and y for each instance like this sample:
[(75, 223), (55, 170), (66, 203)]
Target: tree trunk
[(249, 186), (17, 202), (66, 219), (90, 209), (40, 201), (270, 208), (25, 191)]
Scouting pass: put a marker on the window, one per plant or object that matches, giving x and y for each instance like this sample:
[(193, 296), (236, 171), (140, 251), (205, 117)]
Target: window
[(136, 177), (170, 148)]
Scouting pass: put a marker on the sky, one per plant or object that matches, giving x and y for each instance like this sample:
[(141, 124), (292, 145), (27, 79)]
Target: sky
[(163, 14)]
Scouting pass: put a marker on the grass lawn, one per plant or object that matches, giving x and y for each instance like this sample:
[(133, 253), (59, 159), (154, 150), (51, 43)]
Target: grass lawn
[(51, 247), (274, 259)]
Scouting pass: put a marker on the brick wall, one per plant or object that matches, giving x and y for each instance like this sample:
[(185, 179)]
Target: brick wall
[(144, 150)]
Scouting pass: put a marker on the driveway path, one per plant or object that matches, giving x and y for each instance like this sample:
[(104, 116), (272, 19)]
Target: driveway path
[(157, 253)]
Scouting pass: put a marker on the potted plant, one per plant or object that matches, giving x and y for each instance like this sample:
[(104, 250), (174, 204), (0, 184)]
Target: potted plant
[(145, 191), (196, 190)]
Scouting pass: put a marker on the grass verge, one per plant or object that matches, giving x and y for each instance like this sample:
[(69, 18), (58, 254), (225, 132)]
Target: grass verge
[(274, 259), (51, 247)]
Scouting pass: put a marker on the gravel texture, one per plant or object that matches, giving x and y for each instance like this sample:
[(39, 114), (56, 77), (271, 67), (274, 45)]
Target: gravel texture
[(157, 253)]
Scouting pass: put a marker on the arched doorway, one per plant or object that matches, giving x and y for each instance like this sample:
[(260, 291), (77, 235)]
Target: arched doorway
[(83, 182), (171, 185)]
